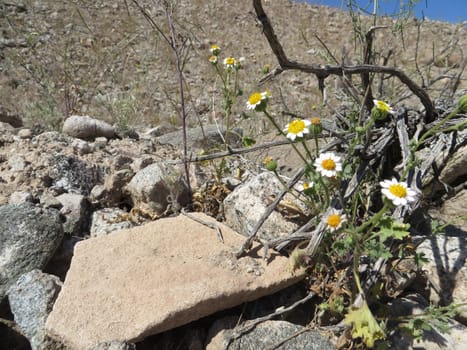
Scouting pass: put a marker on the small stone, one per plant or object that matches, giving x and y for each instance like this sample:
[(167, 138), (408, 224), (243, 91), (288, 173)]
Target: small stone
[(25, 134), (19, 197), (248, 202), (107, 220)]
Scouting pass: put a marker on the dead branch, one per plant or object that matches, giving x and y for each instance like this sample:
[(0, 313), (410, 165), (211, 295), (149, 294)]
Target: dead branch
[(249, 325), (322, 72)]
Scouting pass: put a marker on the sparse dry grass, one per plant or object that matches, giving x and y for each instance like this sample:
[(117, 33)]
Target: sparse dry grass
[(92, 57)]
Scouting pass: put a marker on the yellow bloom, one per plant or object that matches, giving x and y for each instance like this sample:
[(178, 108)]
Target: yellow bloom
[(335, 220), (398, 192), (229, 62), (383, 107), (258, 101), (328, 164), (297, 128)]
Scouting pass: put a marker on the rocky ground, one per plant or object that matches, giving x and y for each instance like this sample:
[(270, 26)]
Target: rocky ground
[(101, 200)]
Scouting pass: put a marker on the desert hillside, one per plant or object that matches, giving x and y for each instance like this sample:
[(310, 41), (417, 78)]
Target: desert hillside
[(103, 59)]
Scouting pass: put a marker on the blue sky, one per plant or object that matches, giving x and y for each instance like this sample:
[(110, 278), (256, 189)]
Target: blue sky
[(454, 11)]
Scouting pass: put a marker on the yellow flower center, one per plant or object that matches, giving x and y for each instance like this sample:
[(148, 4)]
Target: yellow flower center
[(334, 220), (229, 61), (315, 121), (383, 106), (306, 185), (214, 47), (255, 98), (398, 190), (328, 164), (212, 59), (296, 126)]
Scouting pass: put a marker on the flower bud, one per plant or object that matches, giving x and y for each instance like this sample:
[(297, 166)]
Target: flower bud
[(270, 163), (315, 128)]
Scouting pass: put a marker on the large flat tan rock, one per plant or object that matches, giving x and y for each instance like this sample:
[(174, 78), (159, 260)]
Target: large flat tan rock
[(148, 279)]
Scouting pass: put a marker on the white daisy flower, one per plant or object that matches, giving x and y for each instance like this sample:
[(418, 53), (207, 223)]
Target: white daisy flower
[(383, 106), (258, 100), (213, 59), (335, 220), (398, 192), (297, 128), (328, 164), (229, 62), (305, 186)]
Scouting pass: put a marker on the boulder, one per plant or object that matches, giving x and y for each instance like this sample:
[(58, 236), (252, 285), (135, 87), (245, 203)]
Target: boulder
[(29, 236), (31, 299), (87, 128), (152, 278)]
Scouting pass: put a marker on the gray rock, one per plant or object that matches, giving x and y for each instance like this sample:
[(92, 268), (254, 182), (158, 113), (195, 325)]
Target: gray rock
[(25, 134), (432, 339), (453, 210), (157, 186), (70, 174), (115, 345), (446, 269), (158, 131), (31, 299), (201, 138), (264, 335), (75, 208), (112, 193), (17, 162), (19, 197), (85, 127), (48, 200), (456, 167), (107, 220), (248, 202), (81, 146), (28, 238)]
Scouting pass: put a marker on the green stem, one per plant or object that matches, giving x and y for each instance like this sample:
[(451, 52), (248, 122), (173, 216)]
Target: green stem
[(375, 218), (308, 153), (316, 145), (436, 128), (356, 260)]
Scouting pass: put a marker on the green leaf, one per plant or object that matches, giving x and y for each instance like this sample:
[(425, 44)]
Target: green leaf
[(392, 229), (364, 325), (248, 142)]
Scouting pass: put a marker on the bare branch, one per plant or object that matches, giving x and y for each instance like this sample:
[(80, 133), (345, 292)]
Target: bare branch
[(322, 72)]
